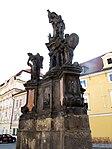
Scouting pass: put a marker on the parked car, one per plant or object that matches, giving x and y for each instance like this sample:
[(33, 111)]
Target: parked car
[(6, 138)]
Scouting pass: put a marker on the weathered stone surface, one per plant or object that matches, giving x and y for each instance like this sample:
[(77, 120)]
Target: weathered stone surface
[(61, 132), (43, 124), (29, 140), (27, 125), (79, 140)]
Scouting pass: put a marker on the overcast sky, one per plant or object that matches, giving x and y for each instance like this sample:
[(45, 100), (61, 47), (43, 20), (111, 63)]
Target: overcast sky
[(24, 27)]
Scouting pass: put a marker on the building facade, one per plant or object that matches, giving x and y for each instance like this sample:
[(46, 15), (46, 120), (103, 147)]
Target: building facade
[(19, 101), (96, 78), (10, 103), (12, 98)]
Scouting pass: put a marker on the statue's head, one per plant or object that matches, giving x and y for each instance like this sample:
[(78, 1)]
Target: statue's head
[(29, 54), (51, 15)]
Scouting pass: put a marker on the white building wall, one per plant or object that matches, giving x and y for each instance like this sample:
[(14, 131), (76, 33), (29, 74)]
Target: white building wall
[(6, 105)]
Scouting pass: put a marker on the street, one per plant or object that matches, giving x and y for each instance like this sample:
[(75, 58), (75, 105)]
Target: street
[(13, 146), (8, 146)]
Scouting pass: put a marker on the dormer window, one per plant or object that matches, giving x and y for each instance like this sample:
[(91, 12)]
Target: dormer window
[(84, 69), (109, 60)]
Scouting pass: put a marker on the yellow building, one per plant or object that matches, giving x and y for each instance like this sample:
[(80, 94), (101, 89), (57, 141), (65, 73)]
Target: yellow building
[(96, 78)]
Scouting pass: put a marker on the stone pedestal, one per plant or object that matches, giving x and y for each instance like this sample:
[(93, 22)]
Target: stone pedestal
[(32, 94), (60, 120), (67, 131)]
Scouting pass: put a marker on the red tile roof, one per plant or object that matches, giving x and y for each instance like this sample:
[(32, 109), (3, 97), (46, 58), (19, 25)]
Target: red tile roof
[(28, 71), (19, 73)]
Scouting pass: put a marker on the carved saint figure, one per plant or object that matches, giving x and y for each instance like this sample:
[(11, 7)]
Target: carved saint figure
[(60, 48), (57, 23), (71, 41), (35, 62)]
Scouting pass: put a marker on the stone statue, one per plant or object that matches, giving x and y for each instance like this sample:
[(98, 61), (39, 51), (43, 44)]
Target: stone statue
[(55, 115), (60, 47), (71, 41), (57, 23), (35, 62)]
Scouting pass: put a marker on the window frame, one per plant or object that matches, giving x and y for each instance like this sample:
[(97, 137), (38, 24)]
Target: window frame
[(109, 80), (110, 92), (83, 86), (86, 98), (109, 60)]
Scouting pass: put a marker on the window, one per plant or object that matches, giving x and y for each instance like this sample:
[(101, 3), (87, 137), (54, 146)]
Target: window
[(109, 60), (84, 69), (8, 135), (6, 114), (111, 97), (17, 103), (110, 77), (86, 101), (14, 131), (15, 117), (20, 103), (83, 83)]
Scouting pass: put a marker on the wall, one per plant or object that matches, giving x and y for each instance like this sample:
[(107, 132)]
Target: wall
[(100, 103)]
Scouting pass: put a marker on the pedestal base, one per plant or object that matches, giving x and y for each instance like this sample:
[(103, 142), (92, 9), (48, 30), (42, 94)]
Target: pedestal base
[(61, 132)]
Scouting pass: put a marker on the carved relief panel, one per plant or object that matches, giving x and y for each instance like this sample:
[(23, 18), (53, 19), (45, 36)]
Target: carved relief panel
[(71, 90), (31, 99), (72, 85), (56, 94), (44, 97)]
